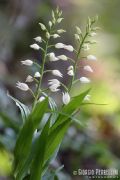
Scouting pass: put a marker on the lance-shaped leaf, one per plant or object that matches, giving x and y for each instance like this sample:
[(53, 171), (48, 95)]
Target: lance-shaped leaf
[(74, 104), (24, 140), (36, 168), (23, 108)]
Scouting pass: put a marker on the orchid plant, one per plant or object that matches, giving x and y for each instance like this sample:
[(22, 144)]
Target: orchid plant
[(38, 140)]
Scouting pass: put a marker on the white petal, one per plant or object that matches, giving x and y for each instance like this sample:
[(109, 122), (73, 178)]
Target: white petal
[(22, 86), (54, 88), (88, 68), (84, 80), (91, 58), (27, 62), (66, 98), (35, 46)]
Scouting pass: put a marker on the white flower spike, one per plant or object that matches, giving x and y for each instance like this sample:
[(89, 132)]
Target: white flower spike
[(84, 80), (62, 57), (42, 26), (38, 39), (66, 98), (37, 75), (57, 73), (22, 86), (29, 79), (35, 46), (88, 68), (91, 58), (27, 62)]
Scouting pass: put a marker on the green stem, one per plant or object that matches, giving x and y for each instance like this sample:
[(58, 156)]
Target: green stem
[(77, 58)]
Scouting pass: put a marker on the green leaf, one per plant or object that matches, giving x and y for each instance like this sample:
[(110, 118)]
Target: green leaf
[(55, 137), (70, 108), (36, 169), (9, 122), (24, 141), (23, 108)]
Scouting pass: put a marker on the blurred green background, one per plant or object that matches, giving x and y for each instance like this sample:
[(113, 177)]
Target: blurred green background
[(95, 143)]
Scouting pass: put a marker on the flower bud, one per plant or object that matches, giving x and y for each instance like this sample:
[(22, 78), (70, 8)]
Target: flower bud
[(22, 86), (78, 30), (47, 35), (62, 57), (55, 36), (69, 48), (77, 37), (59, 20), (35, 46), (50, 24), (42, 26), (59, 45), (88, 68), (27, 62), (91, 58), (37, 75), (59, 31), (70, 73), (87, 97), (66, 98), (84, 80), (42, 98), (38, 39), (52, 57), (29, 79), (57, 73)]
